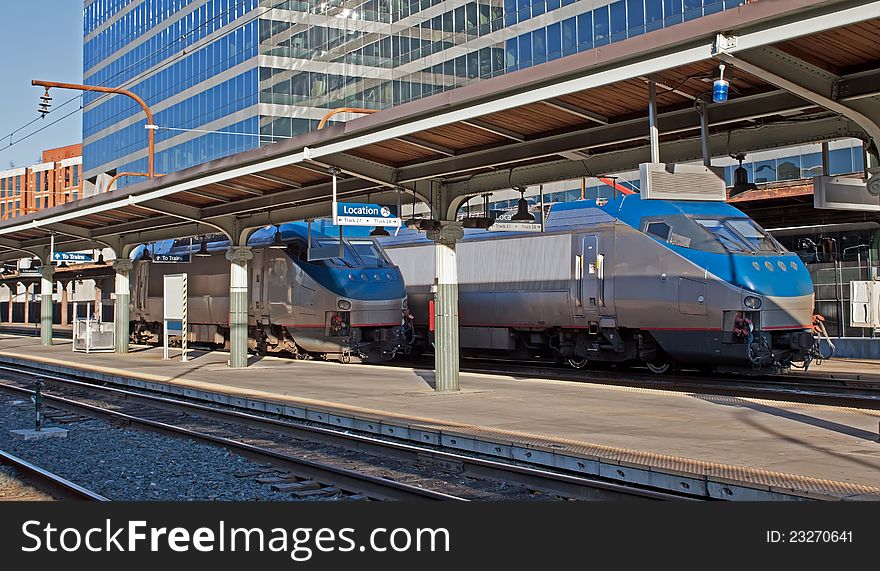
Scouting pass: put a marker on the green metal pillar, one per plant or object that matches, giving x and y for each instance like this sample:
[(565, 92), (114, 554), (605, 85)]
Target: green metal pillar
[(122, 307), (446, 342), (238, 256), (47, 272)]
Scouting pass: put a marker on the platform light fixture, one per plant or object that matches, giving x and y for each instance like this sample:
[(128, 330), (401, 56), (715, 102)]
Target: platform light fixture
[(721, 87), (379, 231), (277, 242), (522, 207), (741, 182), (145, 255), (203, 250)]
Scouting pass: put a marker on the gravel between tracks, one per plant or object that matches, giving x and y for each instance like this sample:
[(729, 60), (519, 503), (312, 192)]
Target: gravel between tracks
[(125, 464)]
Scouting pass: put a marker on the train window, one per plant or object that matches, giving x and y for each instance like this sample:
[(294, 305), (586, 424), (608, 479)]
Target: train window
[(679, 230), (729, 239), (659, 229), (348, 259), (370, 253), (755, 235)]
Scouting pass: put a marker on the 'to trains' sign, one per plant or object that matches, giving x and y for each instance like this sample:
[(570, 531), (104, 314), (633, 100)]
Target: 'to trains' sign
[(356, 214)]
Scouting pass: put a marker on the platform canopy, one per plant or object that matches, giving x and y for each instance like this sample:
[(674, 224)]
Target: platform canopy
[(800, 71)]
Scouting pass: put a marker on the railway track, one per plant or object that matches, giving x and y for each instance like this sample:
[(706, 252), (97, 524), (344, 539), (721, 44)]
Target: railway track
[(450, 476), (42, 483), (852, 392)]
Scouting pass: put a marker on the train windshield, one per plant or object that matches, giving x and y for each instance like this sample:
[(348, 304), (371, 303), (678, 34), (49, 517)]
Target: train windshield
[(370, 253), (760, 240), (740, 235), (328, 251)]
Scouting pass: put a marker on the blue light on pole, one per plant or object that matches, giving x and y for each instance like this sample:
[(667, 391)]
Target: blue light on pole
[(721, 87)]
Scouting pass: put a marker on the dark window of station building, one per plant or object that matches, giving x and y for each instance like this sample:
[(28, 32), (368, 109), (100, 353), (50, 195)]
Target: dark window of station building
[(554, 41), (672, 11), (618, 21), (635, 17), (693, 9), (601, 29), (653, 15), (585, 31), (569, 36)]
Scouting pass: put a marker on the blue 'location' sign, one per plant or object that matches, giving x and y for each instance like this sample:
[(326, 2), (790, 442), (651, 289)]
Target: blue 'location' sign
[(71, 257), (182, 258), (355, 214)]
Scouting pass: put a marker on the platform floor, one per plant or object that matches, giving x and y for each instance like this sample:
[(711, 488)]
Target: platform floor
[(831, 443)]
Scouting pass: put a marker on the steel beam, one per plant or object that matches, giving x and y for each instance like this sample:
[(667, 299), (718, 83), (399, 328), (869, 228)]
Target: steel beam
[(576, 111), (806, 81), (751, 107), (744, 140), (494, 129)]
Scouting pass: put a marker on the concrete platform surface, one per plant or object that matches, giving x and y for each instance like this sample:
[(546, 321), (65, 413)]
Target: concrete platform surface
[(816, 450)]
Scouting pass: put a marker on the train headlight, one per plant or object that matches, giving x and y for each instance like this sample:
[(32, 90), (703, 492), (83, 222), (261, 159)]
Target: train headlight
[(343, 304), (752, 302)]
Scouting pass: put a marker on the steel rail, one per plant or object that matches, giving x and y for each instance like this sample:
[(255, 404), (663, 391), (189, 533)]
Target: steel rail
[(59, 487), (349, 480), (567, 485)]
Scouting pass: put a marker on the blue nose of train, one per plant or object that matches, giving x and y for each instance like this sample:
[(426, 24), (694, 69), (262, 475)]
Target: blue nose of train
[(776, 275)]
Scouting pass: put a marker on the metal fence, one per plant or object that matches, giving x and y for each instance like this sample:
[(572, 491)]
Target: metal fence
[(831, 283)]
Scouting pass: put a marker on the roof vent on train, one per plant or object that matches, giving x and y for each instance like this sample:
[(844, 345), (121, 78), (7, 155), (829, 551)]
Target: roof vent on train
[(668, 181)]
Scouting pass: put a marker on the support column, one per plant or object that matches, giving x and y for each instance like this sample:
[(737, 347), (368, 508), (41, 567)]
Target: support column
[(239, 256), (47, 272), (704, 133), (121, 309), (27, 304), (446, 342), (64, 304), (654, 131)]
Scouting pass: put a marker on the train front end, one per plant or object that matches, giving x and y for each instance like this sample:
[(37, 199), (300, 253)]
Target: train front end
[(744, 301), (364, 303)]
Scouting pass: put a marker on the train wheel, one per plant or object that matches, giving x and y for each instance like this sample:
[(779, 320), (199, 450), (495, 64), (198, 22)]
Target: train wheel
[(577, 363), (659, 367)]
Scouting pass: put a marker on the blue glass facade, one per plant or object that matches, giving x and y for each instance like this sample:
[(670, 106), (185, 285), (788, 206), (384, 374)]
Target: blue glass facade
[(269, 69), (192, 61)]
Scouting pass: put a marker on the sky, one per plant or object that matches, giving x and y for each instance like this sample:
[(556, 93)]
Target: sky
[(38, 40)]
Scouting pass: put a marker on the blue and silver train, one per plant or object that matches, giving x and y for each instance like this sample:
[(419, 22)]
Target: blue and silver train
[(626, 280), (309, 296)]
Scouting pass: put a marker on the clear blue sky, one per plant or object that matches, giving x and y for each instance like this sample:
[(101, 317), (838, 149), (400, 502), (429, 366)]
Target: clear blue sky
[(38, 40)]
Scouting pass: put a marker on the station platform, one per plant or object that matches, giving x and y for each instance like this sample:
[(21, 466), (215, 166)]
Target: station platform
[(719, 446)]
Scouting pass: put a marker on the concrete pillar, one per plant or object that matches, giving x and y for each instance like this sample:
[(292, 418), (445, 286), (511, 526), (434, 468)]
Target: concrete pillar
[(446, 343), (27, 304), (64, 304), (47, 272), (238, 256), (121, 318)]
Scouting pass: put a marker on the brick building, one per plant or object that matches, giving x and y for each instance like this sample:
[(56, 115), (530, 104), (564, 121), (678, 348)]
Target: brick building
[(55, 180)]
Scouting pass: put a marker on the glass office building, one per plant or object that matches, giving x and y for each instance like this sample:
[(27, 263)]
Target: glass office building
[(224, 76)]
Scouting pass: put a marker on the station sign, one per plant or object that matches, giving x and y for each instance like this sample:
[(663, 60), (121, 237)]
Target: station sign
[(358, 214), (501, 226), (72, 257), (183, 258)]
